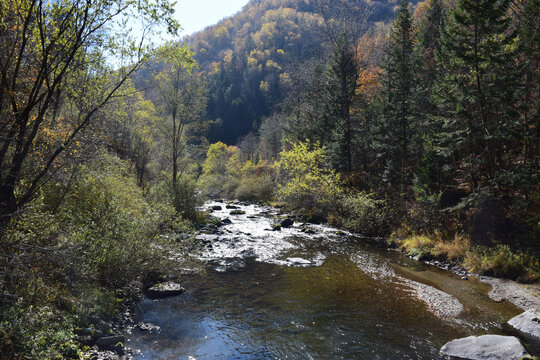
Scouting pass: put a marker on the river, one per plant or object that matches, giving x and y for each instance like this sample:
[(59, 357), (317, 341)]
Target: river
[(310, 292)]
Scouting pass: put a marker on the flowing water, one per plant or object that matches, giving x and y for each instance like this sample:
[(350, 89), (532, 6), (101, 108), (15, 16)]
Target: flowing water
[(310, 292)]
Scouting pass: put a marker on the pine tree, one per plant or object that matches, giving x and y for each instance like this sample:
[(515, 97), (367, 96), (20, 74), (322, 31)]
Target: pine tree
[(339, 96), (398, 135), (427, 174), (529, 26), (428, 44), (477, 90)]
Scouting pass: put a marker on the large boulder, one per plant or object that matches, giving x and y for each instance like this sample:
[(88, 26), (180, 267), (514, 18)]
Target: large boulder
[(485, 347), (164, 290), (528, 324)]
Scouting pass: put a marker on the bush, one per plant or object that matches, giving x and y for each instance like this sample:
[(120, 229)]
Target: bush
[(221, 169), (256, 183), (361, 213), (224, 175), (501, 261), (38, 332), (68, 263), (111, 224), (419, 246), (305, 182), (455, 250), (185, 197)]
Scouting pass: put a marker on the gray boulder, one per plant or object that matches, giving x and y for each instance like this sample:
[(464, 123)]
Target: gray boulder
[(164, 290), (485, 347), (527, 323)]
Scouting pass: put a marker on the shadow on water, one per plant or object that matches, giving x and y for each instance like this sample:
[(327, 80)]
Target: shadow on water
[(356, 305)]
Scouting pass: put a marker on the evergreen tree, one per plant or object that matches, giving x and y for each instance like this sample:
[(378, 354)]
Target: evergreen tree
[(529, 26), (339, 95), (427, 174), (398, 134), (428, 44), (306, 118), (477, 90)]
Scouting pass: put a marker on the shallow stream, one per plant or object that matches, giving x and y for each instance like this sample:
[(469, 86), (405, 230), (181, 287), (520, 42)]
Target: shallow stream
[(310, 292)]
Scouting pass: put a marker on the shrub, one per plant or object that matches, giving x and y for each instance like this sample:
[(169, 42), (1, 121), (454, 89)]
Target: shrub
[(361, 213), (256, 183), (220, 169), (111, 223), (224, 175), (66, 263), (304, 181), (455, 250), (185, 197), (418, 246), (501, 261)]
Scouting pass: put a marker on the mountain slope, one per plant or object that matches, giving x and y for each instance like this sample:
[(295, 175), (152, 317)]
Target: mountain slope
[(252, 58)]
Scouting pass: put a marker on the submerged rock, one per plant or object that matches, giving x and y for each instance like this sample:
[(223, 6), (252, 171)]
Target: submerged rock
[(112, 343), (232, 207), (485, 347), (147, 327), (527, 323), (166, 289), (308, 231), (237, 212)]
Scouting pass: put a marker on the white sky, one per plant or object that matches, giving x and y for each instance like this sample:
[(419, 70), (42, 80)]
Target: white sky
[(195, 15)]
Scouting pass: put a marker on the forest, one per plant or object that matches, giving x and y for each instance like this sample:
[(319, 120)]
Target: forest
[(413, 123)]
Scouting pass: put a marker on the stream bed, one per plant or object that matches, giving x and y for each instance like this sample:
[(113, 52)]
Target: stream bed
[(309, 292)]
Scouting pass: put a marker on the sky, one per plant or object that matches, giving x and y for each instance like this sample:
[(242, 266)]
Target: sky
[(195, 15)]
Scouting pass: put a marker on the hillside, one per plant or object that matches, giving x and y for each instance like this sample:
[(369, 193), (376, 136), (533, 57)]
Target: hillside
[(253, 57)]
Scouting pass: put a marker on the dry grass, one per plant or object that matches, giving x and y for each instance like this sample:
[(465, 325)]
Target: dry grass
[(455, 250)]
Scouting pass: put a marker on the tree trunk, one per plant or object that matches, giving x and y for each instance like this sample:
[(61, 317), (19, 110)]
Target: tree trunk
[(8, 207)]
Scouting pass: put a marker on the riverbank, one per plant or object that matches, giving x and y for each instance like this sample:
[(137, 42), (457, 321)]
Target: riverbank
[(524, 296)]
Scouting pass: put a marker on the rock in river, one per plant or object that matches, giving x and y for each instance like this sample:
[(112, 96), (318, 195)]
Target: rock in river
[(163, 290), (296, 261), (485, 347), (237, 212), (287, 223), (216, 207), (527, 323), (226, 221)]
